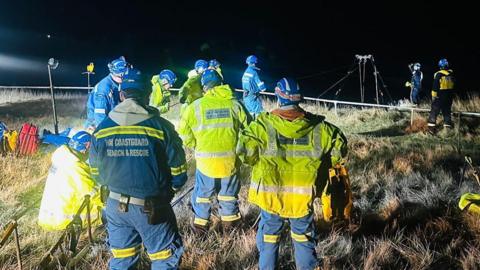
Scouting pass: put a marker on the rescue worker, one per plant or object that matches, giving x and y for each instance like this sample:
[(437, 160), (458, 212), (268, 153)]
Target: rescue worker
[(442, 96), (211, 126), (69, 180), (161, 84), (215, 65), (139, 156), (286, 149), (105, 95), (191, 90), (252, 85), (415, 83)]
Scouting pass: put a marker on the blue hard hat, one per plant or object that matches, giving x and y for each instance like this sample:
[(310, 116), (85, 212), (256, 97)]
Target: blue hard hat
[(214, 63), (251, 60), (118, 67), (167, 76), (443, 63), (133, 80), (210, 79), (288, 92), (201, 64), (80, 141)]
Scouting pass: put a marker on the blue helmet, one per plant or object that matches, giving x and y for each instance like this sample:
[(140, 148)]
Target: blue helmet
[(214, 63), (443, 63), (80, 141), (251, 60), (288, 92), (118, 67), (201, 65), (210, 79), (167, 76), (133, 80)]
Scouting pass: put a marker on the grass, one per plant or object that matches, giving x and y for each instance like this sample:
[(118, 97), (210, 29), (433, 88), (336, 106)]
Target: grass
[(406, 186)]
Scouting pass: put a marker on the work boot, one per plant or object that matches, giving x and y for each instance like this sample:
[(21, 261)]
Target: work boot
[(432, 128), (448, 125)]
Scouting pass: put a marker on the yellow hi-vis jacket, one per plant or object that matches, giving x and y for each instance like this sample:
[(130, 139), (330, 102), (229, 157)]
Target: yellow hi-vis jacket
[(286, 157), (160, 98), (68, 182), (211, 126)]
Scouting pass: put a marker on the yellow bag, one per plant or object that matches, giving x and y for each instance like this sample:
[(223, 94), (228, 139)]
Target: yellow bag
[(10, 138), (336, 198), (470, 202)]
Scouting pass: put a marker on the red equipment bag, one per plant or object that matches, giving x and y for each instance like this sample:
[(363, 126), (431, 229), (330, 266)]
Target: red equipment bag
[(28, 141)]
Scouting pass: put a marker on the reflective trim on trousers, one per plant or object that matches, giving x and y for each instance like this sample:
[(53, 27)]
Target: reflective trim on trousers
[(226, 198), (200, 221), (299, 237), (271, 238), (120, 253), (203, 200), (161, 255), (231, 217)]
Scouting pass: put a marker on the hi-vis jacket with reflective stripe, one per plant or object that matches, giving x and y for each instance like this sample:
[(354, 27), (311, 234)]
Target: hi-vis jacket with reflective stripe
[(211, 126), (101, 101), (191, 90), (286, 156), (159, 97), (138, 153), (68, 182), (443, 80)]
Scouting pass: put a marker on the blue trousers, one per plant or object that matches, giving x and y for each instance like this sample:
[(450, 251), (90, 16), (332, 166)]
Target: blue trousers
[(227, 194), (303, 236), (415, 95), (127, 231)]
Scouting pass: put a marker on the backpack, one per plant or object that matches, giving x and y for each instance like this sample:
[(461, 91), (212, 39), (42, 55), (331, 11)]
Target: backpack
[(336, 198), (27, 143)]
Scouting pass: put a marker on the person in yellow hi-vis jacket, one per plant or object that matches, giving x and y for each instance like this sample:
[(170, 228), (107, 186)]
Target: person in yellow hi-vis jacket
[(286, 148), (69, 180), (161, 84), (442, 96), (211, 125)]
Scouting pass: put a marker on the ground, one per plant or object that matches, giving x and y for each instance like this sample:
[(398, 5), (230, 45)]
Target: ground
[(406, 185)]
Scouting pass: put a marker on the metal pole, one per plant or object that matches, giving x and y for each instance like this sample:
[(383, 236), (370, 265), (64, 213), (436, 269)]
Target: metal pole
[(376, 80), (89, 219), (335, 105), (411, 117), (360, 77), (17, 247), (55, 121)]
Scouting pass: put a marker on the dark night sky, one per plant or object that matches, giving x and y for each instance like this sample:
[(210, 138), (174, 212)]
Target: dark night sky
[(296, 39)]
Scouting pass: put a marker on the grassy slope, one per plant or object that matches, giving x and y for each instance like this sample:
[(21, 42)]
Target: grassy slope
[(406, 186)]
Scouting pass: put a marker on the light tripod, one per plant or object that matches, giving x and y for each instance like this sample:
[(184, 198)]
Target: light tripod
[(362, 62)]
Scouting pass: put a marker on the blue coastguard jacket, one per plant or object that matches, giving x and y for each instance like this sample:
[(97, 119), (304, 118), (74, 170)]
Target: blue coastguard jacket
[(252, 84), (416, 81), (137, 153), (103, 98)]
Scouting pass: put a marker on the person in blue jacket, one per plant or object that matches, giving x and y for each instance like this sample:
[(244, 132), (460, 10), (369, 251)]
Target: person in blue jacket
[(105, 95), (139, 156), (415, 83), (252, 85)]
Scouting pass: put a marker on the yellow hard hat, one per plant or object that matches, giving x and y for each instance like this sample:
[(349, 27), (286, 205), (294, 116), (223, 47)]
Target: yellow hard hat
[(90, 67)]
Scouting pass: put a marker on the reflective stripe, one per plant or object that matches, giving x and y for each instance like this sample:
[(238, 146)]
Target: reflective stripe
[(99, 111), (248, 75), (161, 255), (231, 218), (94, 171), (129, 130), (202, 200), (271, 238), (214, 154), (200, 221), (281, 189), (226, 198), (198, 113), (125, 252), (299, 237), (178, 170), (260, 84), (273, 151), (214, 125)]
